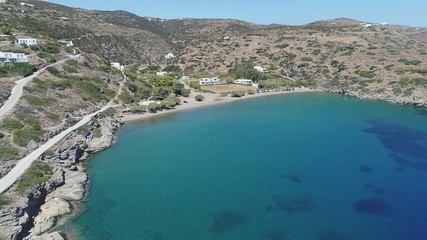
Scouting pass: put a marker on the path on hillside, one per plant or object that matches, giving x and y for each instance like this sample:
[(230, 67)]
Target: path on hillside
[(24, 163), (18, 89)]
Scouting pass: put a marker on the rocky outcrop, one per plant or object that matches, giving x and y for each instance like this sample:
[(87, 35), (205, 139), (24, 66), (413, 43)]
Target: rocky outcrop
[(49, 236), (35, 214)]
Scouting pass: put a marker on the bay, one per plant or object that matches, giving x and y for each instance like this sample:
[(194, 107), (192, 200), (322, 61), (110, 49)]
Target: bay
[(296, 166)]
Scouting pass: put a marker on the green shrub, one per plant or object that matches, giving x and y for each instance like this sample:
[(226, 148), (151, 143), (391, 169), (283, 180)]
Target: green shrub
[(366, 74), (39, 102), (12, 69), (7, 152), (52, 116), (12, 124), (37, 173), (126, 98), (410, 62), (24, 136), (199, 98), (238, 93), (195, 85)]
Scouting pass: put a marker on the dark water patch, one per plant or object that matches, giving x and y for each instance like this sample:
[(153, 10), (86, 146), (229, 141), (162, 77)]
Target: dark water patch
[(380, 191), (226, 222), (330, 235), (372, 206), (158, 236), (292, 178), (274, 235), (269, 209), (303, 204), (374, 189), (420, 111), (365, 169), (406, 163), (400, 139)]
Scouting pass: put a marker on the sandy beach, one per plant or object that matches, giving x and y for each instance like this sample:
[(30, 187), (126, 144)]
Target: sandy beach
[(210, 99)]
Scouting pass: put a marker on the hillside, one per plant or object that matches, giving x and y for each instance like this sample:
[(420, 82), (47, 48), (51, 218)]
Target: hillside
[(366, 60), (376, 60)]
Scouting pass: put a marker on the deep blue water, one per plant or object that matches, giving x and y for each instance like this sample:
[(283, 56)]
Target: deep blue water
[(298, 166)]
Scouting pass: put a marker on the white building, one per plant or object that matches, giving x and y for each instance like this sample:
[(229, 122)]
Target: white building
[(27, 41), (117, 66), (209, 81), (185, 78), (2, 1), (169, 56), (13, 57), (161, 73), (26, 4), (244, 81), (259, 69)]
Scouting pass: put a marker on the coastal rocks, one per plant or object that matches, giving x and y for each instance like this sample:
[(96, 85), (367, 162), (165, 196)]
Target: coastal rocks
[(49, 211), (57, 203), (74, 187), (33, 215), (11, 221), (49, 236)]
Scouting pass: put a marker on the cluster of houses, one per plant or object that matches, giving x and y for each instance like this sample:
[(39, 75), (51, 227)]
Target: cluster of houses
[(215, 81), (13, 57)]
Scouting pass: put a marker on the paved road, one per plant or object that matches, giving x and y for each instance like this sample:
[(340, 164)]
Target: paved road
[(18, 89), (26, 162)]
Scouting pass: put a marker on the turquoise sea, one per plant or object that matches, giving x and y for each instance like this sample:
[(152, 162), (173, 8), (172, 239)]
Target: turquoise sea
[(309, 166)]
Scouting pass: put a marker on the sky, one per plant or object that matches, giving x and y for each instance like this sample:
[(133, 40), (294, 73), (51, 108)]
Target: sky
[(295, 12)]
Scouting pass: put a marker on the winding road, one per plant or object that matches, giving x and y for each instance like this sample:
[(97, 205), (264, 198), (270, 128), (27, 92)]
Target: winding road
[(23, 164), (18, 89)]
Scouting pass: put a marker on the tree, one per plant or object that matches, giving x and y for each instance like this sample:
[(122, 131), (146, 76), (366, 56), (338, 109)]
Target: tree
[(185, 92), (6, 30), (137, 108), (178, 88), (153, 107), (199, 98)]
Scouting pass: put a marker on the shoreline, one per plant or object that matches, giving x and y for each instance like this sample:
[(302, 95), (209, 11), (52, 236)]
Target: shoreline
[(211, 100)]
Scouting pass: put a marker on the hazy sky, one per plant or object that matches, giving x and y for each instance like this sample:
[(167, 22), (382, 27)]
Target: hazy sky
[(295, 12)]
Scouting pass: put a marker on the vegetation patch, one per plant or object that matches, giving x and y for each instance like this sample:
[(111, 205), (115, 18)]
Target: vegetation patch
[(404, 82), (7, 152), (410, 62), (13, 69), (39, 102), (24, 136), (37, 173), (11, 124)]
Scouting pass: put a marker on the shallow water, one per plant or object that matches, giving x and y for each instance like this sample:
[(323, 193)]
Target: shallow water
[(298, 166)]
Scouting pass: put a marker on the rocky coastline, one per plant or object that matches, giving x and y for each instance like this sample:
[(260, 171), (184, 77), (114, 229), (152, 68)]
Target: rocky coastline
[(39, 210)]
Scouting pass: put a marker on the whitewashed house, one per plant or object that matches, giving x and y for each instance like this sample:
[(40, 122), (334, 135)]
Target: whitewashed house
[(27, 41), (13, 57), (209, 81), (117, 66), (183, 78), (260, 69), (244, 81), (2, 1), (26, 4), (169, 56), (161, 73)]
